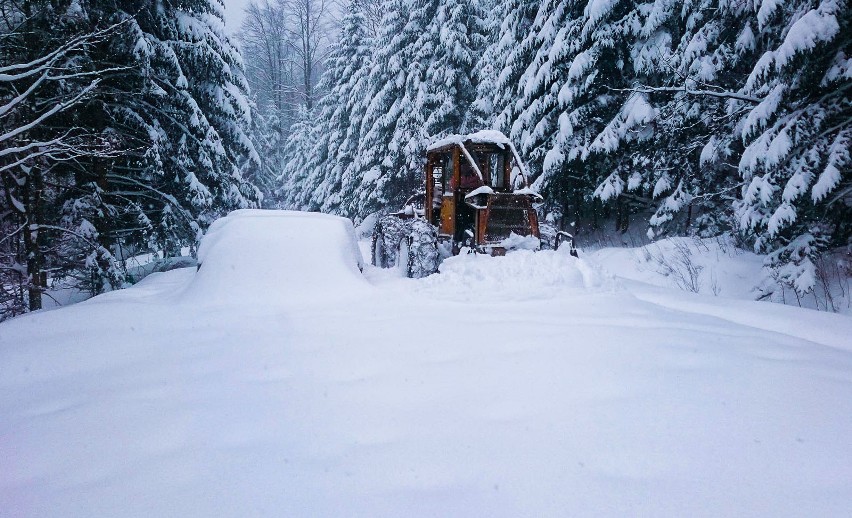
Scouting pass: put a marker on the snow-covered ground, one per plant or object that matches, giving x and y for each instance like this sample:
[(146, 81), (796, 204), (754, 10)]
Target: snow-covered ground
[(717, 267), (278, 380)]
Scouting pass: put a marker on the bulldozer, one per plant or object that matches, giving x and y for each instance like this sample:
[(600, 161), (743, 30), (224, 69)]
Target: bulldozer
[(476, 198)]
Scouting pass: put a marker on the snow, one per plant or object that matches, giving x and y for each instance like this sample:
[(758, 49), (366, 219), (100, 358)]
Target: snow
[(597, 9), (746, 40), (816, 26), (527, 191), (663, 184), (708, 152), (611, 187), (839, 156), (483, 189), (839, 70), (783, 215), (279, 380), (635, 113), (828, 180), (244, 254), (760, 114), (721, 268), (767, 8), (516, 242), (579, 66), (479, 137)]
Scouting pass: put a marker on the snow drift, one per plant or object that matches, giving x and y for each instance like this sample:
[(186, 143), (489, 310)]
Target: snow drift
[(521, 274), (276, 257), (517, 386)]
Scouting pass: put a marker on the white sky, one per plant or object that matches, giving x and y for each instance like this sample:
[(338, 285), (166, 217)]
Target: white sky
[(234, 14)]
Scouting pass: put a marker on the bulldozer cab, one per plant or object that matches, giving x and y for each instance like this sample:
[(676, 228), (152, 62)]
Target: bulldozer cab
[(476, 191)]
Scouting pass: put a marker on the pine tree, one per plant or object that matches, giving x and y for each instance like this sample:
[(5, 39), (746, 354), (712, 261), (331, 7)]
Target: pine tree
[(171, 111), (185, 107), (292, 182), (335, 149), (457, 35), (389, 103), (421, 84), (796, 165), (571, 107), (509, 52), (48, 78)]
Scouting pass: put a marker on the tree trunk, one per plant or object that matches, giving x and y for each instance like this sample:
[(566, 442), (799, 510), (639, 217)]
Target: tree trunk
[(37, 278)]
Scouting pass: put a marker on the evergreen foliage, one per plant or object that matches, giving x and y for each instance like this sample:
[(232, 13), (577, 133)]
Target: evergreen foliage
[(700, 117), (158, 139), (387, 96)]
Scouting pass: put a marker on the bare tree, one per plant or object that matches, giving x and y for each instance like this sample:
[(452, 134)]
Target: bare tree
[(37, 87), (270, 62), (284, 43), (310, 32)]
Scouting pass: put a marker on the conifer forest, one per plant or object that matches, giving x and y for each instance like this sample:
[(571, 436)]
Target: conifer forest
[(128, 126)]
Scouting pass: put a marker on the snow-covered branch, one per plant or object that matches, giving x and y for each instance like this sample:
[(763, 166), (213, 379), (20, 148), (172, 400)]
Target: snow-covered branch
[(690, 91)]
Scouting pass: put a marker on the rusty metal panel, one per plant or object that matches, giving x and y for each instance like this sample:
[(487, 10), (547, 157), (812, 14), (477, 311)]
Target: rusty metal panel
[(534, 223), (509, 213), (427, 204), (481, 221), (448, 215), (454, 184)]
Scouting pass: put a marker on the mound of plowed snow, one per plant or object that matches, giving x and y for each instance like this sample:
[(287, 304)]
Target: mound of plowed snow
[(271, 256), (520, 275)]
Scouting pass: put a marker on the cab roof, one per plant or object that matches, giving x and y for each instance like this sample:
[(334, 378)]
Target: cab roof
[(480, 137)]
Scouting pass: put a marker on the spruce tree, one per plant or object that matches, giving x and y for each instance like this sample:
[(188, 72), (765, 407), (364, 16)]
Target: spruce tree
[(796, 165), (389, 134), (183, 108)]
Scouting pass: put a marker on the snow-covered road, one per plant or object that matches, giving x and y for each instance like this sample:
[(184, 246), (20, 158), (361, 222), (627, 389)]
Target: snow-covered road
[(280, 383)]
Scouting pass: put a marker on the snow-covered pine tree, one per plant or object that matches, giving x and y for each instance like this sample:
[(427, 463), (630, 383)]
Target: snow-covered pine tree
[(797, 198), (685, 64), (571, 107), (421, 83), (170, 111), (185, 108), (389, 136), (679, 52), (510, 51), (334, 148), (268, 139), (49, 76), (458, 36), (480, 112), (292, 182)]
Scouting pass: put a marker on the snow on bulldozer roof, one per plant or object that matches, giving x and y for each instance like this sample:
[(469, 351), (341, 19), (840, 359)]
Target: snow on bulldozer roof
[(480, 137)]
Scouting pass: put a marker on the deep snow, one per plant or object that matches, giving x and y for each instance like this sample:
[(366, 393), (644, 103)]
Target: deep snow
[(280, 381)]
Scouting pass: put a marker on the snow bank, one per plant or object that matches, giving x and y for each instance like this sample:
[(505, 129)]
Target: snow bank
[(519, 275), (420, 397), (277, 257), (712, 266), (516, 242), (717, 267)]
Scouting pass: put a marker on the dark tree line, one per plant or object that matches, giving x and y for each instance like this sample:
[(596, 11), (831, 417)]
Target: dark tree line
[(124, 127)]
